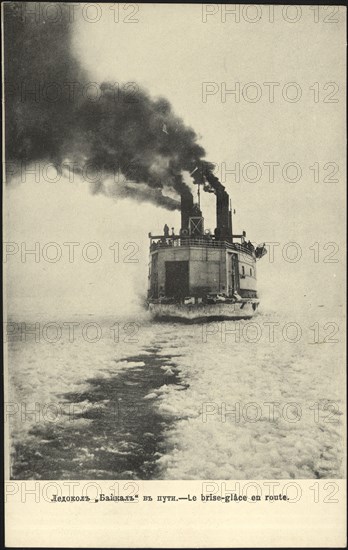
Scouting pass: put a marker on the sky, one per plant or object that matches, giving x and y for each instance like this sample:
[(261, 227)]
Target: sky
[(170, 51)]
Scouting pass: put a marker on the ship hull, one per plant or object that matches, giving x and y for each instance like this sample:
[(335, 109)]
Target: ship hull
[(200, 312)]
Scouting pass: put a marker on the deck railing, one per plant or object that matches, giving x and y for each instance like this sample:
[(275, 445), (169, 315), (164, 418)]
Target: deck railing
[(199, 243)]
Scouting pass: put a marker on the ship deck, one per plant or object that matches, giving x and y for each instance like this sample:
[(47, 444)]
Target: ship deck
[(198, 243)]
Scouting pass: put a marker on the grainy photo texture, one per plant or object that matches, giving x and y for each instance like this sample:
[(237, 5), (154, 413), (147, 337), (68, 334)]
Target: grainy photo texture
[(174, 248)]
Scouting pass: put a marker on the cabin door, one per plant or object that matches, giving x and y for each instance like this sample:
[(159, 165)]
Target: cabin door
[(177, 279), (235, 272)]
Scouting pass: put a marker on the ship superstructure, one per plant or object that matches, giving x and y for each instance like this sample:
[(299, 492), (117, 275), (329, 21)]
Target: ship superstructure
[(196, 274)]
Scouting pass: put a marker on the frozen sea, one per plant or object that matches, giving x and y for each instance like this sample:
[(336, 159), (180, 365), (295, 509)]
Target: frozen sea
[(253, 399)]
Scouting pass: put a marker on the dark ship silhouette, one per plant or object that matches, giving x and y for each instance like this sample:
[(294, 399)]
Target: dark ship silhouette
[(198, 275)]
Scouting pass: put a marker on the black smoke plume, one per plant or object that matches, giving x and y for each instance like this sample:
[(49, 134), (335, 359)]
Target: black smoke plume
[(50, 117)]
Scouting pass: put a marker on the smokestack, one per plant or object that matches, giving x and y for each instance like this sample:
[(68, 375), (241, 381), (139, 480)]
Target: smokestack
[(230, 223), (186, 208), (223, 222), (223, 213)]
